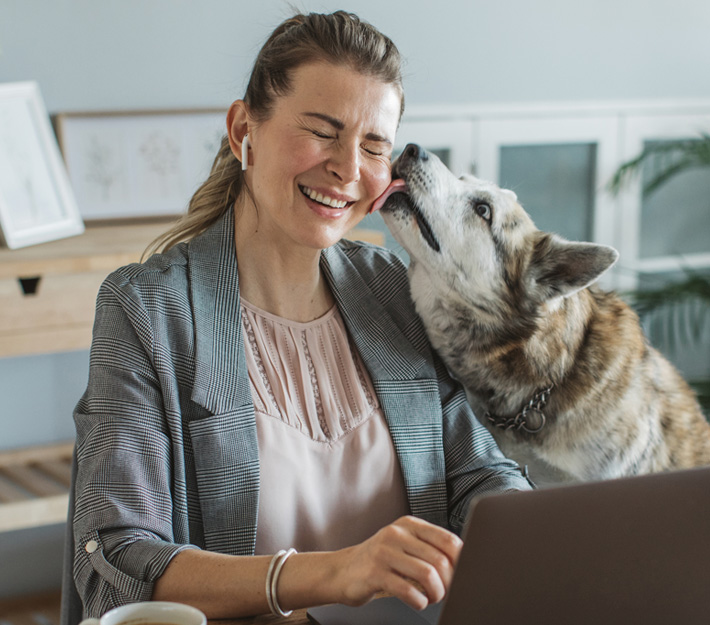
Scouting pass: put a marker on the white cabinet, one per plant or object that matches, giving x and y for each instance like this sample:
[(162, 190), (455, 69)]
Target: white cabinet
[(667, 233), (559, 166), (669, 229)]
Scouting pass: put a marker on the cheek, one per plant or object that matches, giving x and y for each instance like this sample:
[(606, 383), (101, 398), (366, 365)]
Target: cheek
[(295, 156), (378, 178)]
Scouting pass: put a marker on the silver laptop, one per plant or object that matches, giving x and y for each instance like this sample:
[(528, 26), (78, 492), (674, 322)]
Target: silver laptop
[(625, 551)]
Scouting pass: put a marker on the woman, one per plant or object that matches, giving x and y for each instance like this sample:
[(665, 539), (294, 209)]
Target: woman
[(264, 386)]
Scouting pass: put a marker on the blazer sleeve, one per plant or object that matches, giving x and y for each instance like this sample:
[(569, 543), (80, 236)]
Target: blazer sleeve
[(123, 514), (474, 463)]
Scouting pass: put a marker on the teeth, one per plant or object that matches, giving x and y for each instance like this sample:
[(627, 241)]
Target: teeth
[(323, 199)]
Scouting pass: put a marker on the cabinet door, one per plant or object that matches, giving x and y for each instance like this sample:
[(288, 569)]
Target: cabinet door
[(450, 140), (667, 229), (559, 167), (667, 233)]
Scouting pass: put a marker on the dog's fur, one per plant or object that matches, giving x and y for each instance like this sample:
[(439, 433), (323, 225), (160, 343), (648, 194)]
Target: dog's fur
[(511, 311)]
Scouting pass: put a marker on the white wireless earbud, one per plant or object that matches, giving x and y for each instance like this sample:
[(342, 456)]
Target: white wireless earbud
[(245, 152)]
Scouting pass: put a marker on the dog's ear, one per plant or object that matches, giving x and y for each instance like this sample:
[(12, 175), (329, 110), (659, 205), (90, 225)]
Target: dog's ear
[(561, 268)]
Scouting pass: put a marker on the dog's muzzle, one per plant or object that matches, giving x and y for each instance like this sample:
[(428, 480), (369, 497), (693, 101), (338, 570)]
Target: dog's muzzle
[(411, 158)]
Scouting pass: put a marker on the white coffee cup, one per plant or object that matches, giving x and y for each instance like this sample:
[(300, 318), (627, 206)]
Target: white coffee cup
[(150, 613)]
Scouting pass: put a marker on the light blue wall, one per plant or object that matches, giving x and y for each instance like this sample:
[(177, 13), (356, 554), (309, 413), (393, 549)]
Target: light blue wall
[(38, 396), (151, 54), (118, 54)]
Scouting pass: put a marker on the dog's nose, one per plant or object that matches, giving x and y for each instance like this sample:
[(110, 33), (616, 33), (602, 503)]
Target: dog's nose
[(414, 152)]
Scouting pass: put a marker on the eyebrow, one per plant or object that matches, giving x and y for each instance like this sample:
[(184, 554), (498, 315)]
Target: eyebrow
[(339, 125)]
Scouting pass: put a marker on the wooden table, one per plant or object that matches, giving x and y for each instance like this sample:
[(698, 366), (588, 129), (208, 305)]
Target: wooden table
[(297, 618)]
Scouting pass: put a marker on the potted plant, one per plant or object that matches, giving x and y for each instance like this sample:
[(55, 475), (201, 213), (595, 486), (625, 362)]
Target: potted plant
[(680, 310)]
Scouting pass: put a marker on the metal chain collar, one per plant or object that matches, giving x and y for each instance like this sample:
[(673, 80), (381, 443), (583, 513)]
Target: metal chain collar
[(521, 421)]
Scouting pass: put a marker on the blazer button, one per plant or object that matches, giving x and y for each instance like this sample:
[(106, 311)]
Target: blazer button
[(91, 546)]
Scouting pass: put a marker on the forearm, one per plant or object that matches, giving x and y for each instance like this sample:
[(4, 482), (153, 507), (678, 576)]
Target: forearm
[(410, 559), (224, 586)]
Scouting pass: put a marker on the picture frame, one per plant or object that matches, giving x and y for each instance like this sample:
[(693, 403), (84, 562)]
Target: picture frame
[(138, 164), (37, 203)]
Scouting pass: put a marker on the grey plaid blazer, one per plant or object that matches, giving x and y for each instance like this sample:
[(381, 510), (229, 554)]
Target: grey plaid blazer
[(167, 456)]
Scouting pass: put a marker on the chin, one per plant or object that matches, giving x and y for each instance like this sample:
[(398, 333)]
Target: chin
[(320, 240), (324, 237)]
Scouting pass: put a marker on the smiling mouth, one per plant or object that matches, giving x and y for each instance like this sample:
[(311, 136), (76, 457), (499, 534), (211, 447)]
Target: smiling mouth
[(323, 199)]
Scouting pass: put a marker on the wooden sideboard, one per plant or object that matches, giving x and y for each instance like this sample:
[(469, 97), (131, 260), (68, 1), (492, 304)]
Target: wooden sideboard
[(48, 291), (47, 300)]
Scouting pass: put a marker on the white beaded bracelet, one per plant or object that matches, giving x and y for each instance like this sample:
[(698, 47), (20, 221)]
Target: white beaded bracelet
[(272, 579)]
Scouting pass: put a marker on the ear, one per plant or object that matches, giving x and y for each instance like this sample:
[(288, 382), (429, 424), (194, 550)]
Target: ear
[(237, 126), (561, 268)]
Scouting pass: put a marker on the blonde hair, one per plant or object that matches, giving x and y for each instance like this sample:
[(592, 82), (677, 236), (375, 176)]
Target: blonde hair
[(340, 38)]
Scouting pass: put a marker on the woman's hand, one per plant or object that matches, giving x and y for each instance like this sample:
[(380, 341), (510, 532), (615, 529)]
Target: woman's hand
[(410, 559)]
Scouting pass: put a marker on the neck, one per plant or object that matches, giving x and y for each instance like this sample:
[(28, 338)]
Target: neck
[(283, 280)]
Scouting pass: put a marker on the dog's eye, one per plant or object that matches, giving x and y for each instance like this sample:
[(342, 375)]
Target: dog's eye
[(483, 210)]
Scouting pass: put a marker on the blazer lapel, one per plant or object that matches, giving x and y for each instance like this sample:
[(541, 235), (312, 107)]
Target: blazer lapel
[(221, 379), (224, 442), (405, 381)]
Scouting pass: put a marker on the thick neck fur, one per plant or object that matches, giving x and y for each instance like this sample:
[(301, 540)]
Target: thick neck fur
[(503, 363)]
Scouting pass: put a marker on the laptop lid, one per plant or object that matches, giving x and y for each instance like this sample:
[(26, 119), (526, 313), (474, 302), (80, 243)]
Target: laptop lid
[(631, 550)]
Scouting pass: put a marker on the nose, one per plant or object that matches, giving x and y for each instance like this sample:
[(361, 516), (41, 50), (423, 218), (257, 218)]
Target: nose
[(344, 163), (414, 152)]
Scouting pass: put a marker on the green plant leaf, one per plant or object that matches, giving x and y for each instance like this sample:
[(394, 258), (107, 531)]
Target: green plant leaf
[(669, 158)]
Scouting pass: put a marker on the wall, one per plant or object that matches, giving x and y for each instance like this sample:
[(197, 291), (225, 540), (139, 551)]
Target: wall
[(113, 54), (151, 54)]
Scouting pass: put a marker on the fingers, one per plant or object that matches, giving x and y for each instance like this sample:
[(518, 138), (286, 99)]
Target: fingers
[(410, 559), (438, 538), (423, 554), (408, 591)]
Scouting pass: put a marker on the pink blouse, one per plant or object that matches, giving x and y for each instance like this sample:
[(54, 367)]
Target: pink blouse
[(330, 477)]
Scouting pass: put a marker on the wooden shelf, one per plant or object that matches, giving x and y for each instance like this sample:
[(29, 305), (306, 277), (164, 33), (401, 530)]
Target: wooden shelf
[(58, 316), (34, 486), (102, 247)]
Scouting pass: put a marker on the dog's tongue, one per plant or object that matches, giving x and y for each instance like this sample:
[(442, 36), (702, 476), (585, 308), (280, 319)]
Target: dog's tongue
[(396, 186)]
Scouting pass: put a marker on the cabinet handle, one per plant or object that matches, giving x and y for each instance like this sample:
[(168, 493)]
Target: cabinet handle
[(29, 286)]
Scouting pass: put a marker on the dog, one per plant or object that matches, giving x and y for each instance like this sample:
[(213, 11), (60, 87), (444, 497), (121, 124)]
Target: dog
[(552, 364)]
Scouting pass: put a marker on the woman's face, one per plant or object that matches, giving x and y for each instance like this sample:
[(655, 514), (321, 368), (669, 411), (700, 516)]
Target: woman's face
[(323, 156)]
